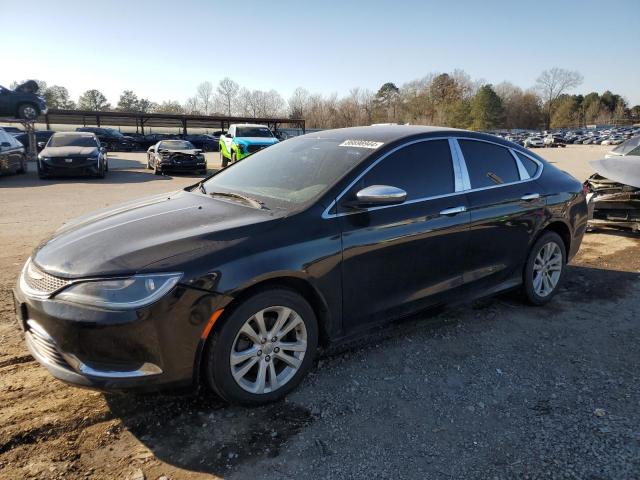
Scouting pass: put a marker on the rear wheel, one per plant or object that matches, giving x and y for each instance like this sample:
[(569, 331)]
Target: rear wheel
[(263, 349), (544, 269)]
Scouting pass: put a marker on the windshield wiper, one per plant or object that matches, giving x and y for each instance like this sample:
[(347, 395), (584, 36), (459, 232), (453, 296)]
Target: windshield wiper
[(251, 201), (201, 187)]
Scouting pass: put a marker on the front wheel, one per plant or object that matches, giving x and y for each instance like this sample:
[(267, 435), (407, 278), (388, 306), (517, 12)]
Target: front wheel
[(223, 160), (263, 349), (544, 269)]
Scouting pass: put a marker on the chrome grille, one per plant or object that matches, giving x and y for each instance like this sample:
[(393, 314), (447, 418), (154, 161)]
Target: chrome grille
[(44, 345), (41, 282)]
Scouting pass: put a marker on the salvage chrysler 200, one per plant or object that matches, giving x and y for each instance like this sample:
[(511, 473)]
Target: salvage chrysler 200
[(235, 281)]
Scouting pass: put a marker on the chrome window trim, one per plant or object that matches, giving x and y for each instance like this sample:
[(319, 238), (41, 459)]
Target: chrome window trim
[(524, 175), (326, 214), (459, 168), (537, 175)]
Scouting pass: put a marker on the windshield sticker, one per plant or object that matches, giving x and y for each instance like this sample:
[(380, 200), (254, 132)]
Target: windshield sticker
[(361, 144)]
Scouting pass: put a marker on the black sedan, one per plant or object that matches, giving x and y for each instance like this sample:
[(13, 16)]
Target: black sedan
[(13, 156), (175, 155), (235, 281), (73, 154)]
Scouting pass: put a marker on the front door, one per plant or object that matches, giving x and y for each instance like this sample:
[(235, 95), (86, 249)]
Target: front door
[(400, 258)]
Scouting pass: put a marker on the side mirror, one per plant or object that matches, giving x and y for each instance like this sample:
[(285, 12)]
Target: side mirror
[(103, 149), (377, 195), (41, 144)]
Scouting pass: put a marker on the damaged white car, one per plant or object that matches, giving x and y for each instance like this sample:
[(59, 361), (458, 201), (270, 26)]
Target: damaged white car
[(613, 192)]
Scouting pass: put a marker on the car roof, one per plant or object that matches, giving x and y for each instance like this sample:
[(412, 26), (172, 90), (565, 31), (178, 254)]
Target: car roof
[(392, 133), (74, 134), (248, 125)]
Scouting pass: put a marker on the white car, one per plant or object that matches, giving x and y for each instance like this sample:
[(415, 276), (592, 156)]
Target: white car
[(533, 142), (613, 141), (629, 148)]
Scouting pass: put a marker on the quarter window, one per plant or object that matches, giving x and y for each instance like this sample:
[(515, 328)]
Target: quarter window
[(423, 169), (488, 164), (529, 165)]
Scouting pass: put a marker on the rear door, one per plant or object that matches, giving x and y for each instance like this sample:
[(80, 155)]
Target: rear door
[(505, 209), (400, 258)]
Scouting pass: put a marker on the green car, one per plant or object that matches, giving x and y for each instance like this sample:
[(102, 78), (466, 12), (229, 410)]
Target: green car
[(242, 140)]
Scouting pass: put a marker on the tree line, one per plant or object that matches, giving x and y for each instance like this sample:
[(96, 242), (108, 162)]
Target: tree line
[(447, 99)]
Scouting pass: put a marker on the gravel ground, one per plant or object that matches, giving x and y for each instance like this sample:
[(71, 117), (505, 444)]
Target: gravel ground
[(496, 389)]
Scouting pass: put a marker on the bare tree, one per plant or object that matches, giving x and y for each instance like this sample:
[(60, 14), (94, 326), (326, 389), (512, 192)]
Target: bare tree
[(191, 106), (298, 103), (204, 94), (228, 91), (553, 83)]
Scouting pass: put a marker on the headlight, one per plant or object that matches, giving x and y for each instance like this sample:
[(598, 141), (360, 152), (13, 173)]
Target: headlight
[(122, 293)]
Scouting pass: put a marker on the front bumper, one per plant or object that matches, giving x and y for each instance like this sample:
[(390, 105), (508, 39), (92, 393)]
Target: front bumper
[(183, 167), (154, 347), (74, 169)]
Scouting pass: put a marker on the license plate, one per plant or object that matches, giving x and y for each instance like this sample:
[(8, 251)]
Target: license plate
[(68, 160)]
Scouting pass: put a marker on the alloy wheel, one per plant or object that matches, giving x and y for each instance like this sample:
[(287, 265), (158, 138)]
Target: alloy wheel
[(268, 350), (547, 268)]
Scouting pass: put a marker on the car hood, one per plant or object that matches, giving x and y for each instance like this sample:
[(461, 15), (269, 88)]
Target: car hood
[(256, 140), (194, 151), (69, 151), (126, 238), (621, 169)]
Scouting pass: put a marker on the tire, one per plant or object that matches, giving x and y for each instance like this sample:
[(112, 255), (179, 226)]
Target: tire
[(100, 173), (156, 170), (234, 157), (148, 162), (532, 291), (106, 166), (22, 169), (27, 111), (224, 160), (218, 374), (41, 174)]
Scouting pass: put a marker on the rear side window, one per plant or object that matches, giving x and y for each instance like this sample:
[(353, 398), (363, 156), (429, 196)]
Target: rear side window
[(488, 164), (529, 165), (423, 169), (635, 151)]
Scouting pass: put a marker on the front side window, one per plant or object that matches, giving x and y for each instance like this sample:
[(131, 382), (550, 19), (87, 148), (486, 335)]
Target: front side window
[(488, 164), (423, 169)]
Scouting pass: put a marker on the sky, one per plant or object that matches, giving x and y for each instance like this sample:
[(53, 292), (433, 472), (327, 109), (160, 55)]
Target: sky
[(163, 49)]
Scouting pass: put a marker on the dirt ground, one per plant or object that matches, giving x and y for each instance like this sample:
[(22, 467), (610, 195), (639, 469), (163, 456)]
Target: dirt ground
[(496, 389)]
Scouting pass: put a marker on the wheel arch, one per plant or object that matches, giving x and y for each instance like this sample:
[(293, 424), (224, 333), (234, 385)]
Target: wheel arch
[(300, 285), (562, 229)]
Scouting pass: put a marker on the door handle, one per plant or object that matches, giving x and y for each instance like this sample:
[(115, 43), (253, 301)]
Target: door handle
[(530, 196), (453, 211)]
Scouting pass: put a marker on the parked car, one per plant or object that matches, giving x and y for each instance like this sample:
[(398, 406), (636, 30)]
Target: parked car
[(235, 281), (73, 153), (23, 102), (614, 192), (533, 142), (13, 130), (42, 137), (206, 143), (242, 140), (111, 139), (175, 155), (13, 156), (554, 141)]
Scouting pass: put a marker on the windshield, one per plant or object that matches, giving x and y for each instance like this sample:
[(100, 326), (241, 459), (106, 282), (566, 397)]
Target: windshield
[(72, 141), (253, 132), (627, 146), (114, 132), (176, 145), (290, 173)]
